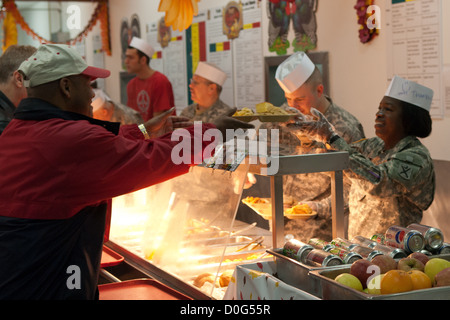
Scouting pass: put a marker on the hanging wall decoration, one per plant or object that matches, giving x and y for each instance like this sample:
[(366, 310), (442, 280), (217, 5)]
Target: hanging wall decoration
[(365, 34), (302, 14), (232, 19), (100, 14), (179, 13)]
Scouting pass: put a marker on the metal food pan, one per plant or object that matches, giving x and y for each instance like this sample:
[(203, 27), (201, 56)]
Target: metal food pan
[(296, 273), (332, 290)]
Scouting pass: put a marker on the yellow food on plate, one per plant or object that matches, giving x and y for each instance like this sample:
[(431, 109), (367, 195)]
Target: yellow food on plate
[(267, 108), (255, 200), (244, 112), (299, 209)]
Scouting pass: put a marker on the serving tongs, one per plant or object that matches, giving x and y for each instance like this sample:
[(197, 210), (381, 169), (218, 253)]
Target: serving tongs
[(257, 242)]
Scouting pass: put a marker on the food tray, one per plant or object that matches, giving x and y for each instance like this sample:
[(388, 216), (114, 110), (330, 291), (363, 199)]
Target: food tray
[(110, 258), (296, 273), (266, 117), (332, 290), (139, 289), (265, 210)]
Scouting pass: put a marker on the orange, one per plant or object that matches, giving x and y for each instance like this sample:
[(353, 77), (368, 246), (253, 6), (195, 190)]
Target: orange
[(419, 279), (395, 281)]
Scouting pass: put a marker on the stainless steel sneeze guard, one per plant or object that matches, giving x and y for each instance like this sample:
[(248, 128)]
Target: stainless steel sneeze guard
[(333, 162)]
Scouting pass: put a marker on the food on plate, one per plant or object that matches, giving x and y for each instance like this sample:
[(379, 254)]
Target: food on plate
[(205, 277), (256, 200), (299, 209), (420, 280), (349, 280), (396, 281), (434, 266), (267, 108), (243, 112), (225, 278), (408, 264)]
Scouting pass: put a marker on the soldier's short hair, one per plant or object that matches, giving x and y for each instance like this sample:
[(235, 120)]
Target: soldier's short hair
[(11, 59)]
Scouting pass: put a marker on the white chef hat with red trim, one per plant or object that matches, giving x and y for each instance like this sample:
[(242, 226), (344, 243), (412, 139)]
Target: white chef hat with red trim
[(293, 72), (410, 92)]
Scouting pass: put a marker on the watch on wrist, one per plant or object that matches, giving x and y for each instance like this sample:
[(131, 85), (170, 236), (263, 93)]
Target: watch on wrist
[(334, 138), (144, 131)]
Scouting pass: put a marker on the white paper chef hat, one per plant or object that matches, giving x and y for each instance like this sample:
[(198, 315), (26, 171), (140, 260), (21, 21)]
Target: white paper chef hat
[(99, 100), (293, 72), (211, 73), (410, 92), (142, 46)]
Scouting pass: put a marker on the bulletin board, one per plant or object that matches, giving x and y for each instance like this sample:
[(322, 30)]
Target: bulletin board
[(415, 46), (229, 36)]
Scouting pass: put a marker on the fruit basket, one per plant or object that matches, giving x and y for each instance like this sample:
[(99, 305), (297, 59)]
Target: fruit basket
[(333, 290)]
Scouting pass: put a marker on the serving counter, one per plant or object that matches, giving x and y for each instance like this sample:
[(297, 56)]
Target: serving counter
[(185, 228)]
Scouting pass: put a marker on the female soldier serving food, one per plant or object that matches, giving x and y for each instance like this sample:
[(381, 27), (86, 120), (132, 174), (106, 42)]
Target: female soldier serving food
[(392, 175)]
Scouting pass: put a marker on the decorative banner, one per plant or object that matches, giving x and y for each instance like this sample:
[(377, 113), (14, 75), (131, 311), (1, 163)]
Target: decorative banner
[(303, 17), (100, 13)]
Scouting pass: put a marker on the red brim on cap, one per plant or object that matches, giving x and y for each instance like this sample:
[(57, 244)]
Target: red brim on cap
[(95, 73)]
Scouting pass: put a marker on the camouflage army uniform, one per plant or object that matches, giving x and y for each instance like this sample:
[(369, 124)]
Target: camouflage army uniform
[(390, 187), (317, 186), (218, 109)]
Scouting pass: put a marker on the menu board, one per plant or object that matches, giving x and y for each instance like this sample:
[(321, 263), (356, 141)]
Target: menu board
[(248, 58), (415, 46)]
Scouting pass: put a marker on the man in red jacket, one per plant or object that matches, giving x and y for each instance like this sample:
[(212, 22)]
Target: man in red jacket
[(59, 166)]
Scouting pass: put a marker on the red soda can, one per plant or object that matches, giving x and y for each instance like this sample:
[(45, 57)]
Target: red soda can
[(322, 258)]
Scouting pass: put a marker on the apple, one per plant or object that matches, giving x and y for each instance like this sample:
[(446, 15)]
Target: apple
[(408, 264), (442, 278), (363, 269), (349, 280), (434, 266), (385, 263), (374, 284), (420, 256)]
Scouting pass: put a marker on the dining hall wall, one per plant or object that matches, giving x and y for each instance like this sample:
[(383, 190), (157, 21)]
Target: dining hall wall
[(358, 72)]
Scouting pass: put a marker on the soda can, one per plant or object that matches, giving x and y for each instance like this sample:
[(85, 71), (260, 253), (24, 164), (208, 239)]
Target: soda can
[(426, 252), (433, 236), (297, 250), (405, 239), (317, 257), (366, 252), (348, 257), (364, 241), (394, 253), (444, 249), (320, 244), (378, 238), (343, 243)]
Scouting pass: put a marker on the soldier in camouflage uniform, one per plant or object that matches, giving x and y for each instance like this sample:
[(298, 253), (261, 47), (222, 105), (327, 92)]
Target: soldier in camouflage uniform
[(392, 175), (206, 86), (312, 188)]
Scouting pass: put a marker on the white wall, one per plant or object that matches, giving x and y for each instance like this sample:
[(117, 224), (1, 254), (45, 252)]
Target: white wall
[(358, 72)]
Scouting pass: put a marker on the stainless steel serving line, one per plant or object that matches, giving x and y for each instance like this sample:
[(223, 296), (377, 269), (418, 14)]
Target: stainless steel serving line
[(333, 162)]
